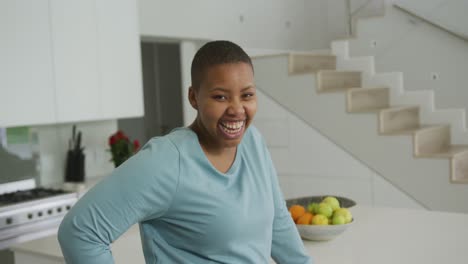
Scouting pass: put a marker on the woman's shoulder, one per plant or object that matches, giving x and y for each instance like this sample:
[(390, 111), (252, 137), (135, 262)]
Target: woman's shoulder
[(253, 134), (177, 138), (253, 138), (252, 131)]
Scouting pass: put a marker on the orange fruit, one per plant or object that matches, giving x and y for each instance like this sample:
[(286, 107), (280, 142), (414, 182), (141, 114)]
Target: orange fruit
[(296, 211), (305, 219)]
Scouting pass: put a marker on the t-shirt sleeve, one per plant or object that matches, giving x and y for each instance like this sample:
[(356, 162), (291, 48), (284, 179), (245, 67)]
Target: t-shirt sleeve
[(287, 246), (141, 188)]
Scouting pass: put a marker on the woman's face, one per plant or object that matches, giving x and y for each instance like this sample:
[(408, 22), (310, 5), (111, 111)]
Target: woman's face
[(226, 103)]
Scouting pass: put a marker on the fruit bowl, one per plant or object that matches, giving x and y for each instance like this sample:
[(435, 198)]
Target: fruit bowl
[(321, 232)]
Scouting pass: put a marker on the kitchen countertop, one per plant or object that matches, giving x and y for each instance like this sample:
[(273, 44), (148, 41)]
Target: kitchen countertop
[(82, 187), (378, 235)]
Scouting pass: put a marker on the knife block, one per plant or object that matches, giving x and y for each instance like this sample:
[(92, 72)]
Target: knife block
[(75, 166)]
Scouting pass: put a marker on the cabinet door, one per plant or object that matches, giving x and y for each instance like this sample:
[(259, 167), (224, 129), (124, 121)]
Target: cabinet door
[(26, 81), (119, 59), (74, 37)]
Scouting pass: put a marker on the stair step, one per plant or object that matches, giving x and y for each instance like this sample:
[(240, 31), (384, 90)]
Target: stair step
[(459, 168), (407, 131), (337, 81), (452, 151), (307, 63), (361, 100), (398, 119), (431, 140)]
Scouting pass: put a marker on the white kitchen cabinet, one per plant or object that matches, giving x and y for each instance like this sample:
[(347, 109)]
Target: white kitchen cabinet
[(119, 59), (27, 94), (69, 61), (97, 59), (74, 42)]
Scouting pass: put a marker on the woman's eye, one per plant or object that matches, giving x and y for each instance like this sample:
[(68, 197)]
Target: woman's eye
[(219, 97), (248, 95)]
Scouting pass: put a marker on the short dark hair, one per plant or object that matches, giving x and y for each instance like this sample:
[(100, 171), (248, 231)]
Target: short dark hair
[(215, 53)]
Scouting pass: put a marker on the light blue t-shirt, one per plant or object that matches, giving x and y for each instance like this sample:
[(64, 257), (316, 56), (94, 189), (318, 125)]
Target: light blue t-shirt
[(188, 211)]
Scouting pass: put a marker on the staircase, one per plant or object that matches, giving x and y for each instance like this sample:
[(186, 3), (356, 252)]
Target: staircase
[(395, 132)]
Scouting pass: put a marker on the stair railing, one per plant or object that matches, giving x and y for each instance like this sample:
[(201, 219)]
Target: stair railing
[(435, 24)]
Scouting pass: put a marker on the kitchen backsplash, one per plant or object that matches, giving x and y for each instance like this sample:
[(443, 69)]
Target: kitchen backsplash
[(54, 143), (43, 154)]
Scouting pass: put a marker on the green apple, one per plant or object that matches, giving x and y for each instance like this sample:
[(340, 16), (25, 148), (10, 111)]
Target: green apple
[(345, 213), (319, 220), (312, 208), (325, 209), (332, 201), (338, 220)]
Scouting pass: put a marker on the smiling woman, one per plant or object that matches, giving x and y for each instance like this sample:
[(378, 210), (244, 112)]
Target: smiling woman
[(204, 193)]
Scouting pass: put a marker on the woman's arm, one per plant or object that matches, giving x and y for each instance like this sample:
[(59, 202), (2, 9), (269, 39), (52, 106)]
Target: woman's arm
[(141, 188), (287, 246)]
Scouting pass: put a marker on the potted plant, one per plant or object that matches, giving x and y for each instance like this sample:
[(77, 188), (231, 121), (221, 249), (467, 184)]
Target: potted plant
[(121, 147)]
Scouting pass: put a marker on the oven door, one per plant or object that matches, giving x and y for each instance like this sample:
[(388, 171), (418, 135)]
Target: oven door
[(28, 232)]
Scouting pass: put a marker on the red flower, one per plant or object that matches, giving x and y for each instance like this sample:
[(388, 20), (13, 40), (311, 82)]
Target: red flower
[(112, 140), (136, 145), (121, 135)]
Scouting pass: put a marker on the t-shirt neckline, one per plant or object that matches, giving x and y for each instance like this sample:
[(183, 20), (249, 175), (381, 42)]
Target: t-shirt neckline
[(234, 165)]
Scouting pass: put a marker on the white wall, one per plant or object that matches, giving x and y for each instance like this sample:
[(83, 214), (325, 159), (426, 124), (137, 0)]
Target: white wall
[(260, 27), (187, 51), (419, 50), (309, 164), (264, 24)]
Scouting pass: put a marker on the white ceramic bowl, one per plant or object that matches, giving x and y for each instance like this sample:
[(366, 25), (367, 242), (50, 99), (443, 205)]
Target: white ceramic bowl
[(321, 233), (318, 232)]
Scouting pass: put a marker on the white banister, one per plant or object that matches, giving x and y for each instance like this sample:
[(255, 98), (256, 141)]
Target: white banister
[(431, 22)]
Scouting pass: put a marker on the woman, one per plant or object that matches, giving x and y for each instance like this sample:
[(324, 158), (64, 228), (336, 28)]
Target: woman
[(203, 194)]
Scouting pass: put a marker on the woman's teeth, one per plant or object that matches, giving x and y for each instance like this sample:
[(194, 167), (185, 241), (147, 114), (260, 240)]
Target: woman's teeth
[(232, 127)]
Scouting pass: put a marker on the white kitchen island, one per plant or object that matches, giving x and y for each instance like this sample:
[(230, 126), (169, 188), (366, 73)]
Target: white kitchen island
[(378, 235)]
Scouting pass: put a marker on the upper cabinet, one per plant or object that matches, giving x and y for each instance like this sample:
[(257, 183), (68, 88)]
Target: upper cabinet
[(74, 41), (69, 61), (27, 94), (119, 59)]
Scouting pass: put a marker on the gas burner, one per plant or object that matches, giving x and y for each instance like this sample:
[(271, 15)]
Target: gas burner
[(28, 195)]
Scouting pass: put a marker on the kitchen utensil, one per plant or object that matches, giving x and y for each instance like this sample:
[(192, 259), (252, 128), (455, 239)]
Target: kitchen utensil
[(75, 162)]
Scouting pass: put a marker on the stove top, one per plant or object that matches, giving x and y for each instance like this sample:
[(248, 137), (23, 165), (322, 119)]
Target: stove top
[(28, 195), (29, 212)]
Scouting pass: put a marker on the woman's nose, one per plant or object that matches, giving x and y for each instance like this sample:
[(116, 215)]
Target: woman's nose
[(236, 107)]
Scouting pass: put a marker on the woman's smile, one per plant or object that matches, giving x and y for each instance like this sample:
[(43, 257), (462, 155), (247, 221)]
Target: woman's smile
[(232, 129)]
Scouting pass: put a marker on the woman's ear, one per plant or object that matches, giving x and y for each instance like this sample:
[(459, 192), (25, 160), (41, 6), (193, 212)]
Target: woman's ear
[(192, 96)]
